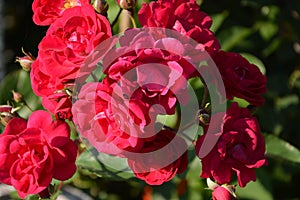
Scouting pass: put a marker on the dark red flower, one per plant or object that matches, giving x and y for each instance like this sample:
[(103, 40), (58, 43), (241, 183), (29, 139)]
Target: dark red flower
[(241, 79), (240, 148), (34, 152)]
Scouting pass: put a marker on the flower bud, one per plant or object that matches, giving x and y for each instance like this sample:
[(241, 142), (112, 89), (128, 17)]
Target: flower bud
[(101, 6), (17, 96), (25, 61), (126, 4), (223, 193)]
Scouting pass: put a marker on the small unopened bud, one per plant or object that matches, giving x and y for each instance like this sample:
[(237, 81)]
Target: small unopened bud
[(25, 61), (101, 6), (126, 4), (17, 96)]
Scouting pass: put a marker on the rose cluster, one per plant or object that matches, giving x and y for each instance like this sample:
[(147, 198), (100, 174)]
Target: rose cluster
[(144, 74), (75, 30), (34, 152)]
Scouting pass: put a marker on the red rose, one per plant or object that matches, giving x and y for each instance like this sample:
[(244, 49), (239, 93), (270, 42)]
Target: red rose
[(59, 104), (241, 79), (158, 67), (240, 148), (186, 18), (47, 11), (156, 167), (222, 193), (34, 152), (104, 116), (70, 40), (53, 92)]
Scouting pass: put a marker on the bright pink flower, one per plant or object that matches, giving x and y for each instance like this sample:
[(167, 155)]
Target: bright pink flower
[(241, 79), (155, 167), (34, 152), (47, 11), (240, 148), (186, 18)]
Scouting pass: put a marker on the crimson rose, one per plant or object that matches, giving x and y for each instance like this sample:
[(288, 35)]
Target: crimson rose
[(240, 148), (34, 152), (241, 79)]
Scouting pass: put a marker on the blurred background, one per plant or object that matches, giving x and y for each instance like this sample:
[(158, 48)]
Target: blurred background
[(266, 32)]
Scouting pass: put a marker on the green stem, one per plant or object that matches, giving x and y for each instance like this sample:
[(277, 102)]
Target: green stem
[(205, 93), (116, 19), (27, 106)]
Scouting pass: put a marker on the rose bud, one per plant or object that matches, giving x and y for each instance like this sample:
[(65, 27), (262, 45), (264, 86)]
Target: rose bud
[(25, 61), (223, 193), (101, 6), (126, 4), (17, 96)]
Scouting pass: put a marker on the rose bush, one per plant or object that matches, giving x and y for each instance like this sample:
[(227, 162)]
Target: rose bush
[(240, 148), (34, 152), (145, 75)]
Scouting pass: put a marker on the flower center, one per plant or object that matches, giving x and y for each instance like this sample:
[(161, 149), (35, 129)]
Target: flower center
[(70, 4), (241, 72)]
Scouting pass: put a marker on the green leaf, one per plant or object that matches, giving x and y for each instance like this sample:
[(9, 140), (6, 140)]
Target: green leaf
[(218, 20), (19, 81), (99, 164), (254, 190), (280, 149), (229, 38), (267, 30)]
